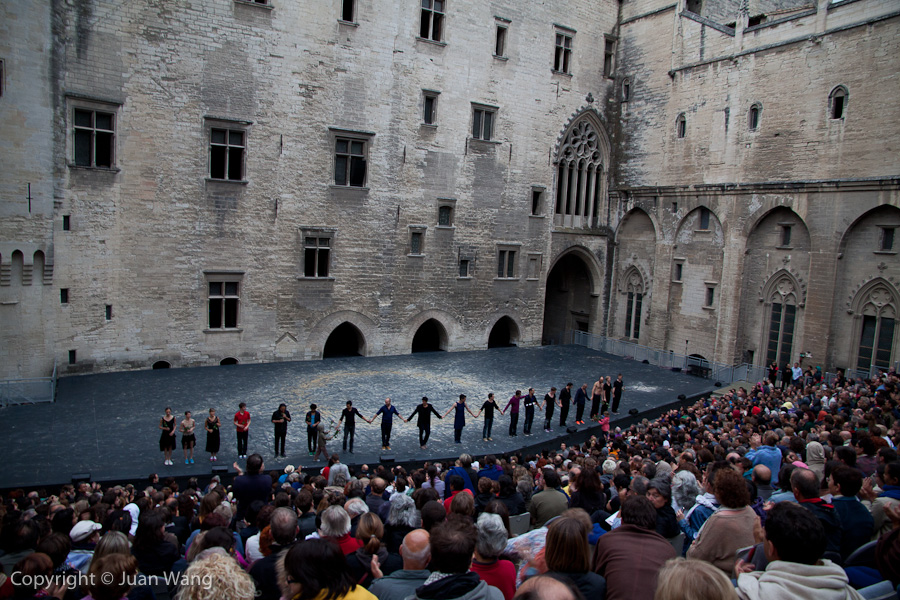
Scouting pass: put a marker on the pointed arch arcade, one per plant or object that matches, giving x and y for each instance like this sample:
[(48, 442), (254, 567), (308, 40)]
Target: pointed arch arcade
[(582, 162)]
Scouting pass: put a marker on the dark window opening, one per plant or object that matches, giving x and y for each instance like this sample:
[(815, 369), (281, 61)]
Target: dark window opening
[(347, 10), (753, 118), (506, 264), (679, 271), (626, 90), (482, 124), (537, 197), (72, 357), (161, 364), (563, 56), (710, 296), (887, 239), (464, 267), (838, 102), (500, 45), (93, 138), (429, 337), (633, 315), (431, 27), (429, 113), (695, 6), (316, 256), (226, 154), (415, 242), (786, 231), (345, 340), (223, 304), (704, 219), (756, 20), (350, 163), (66, 223), (875, 342), (64, 295), (109, 312), (609, 54), (680, 126), (230, 360), (445, 216)]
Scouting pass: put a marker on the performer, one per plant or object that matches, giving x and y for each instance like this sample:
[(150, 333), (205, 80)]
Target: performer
[(312, 433), (242, 425), (187, 437), (596, 397), (530, 403), (607, 391), (565, 399), (550, 403), (488, 409), (579, 401), (167, 437), (513, 412), (212, 434), (322, 437), (387, 413), (424, 411), (459, 420), (281, 418), (348, 417), (618, 386)]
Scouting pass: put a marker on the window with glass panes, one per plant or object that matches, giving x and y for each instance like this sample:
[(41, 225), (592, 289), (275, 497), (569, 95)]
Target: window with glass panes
[(432, 25), (226, 154), (563, 57), (93, 138), (506, 264), (350, 162), (482, 123), (316, 256), (224, 302)]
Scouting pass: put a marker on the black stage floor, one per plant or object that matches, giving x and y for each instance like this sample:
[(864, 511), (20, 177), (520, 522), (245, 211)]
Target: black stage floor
[(106, 425)]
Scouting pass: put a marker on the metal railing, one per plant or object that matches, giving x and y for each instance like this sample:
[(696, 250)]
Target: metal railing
[(14, 392)]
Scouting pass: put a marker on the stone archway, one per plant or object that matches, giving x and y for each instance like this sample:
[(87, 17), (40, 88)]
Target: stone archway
[(504, 334), (430, 337), (345, 340), (568, 305)]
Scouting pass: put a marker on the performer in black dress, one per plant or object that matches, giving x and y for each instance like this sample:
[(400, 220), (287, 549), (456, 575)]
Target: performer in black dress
[(188, 440), (212, 435), (167, 437)]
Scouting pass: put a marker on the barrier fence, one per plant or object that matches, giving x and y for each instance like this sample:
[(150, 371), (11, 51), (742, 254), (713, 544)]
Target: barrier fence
[(695, 365), (33, 390)]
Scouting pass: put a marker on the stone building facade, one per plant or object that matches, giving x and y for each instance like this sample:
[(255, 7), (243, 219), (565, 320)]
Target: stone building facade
[(250, 181)]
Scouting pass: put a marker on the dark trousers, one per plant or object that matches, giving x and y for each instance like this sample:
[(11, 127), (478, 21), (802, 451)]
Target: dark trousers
[(579, 412), (424, 434), (312, 439), (529, 419), (604, 407), (242, 437), (563, 414), (486, 430), (513, 423), (548, 420), (616, 399), (349, 431), (386, 434), (595, 406), (279, 442), (457, 434)]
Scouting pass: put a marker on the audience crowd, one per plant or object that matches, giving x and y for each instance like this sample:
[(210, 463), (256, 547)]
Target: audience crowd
[(789, 492)]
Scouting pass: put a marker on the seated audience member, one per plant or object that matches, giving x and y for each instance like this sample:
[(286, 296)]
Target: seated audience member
[(370, 533), (728, 529), (485, 494), (216, 576), (705, 504), (456, 486), (416, 554), (433, 514), (111, 577), (690, 579), (463, 504), (402, 518), (568, 554), (805, 485), (795, 543), (492, 538), (510, 496), (856, 520), (548, 587), (155, 555), (630, 556), (660, 494), (335, 526), (889, 481), (685, 490), (452, 548), (283, 527), (549, 502), (355, 507), (762, 477), (33, 579), (316, 568)]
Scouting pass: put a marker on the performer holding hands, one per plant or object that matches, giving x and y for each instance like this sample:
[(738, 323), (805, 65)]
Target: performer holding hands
[(490, 406), (460, 420), (387, 413), (167, 437), (424, 411)]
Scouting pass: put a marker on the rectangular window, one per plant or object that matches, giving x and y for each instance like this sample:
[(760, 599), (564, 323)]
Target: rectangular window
[(94, 135), (704, 219), (445, 216), (679, 272), (506, 264), (350, 162), (483, 123), (710, 296), (64, 295), (785, 236), (464, 265), (633, 315), (609, 55), (429, 114), (2, 81), (347, 12), (224, 299), (887, 239), (415, 242), (537, 201), (316, 256), (432, 24), (500, 42), (67, 223), (72, 357), (226, 154), (534, 267), (563, 57), (109, 312)]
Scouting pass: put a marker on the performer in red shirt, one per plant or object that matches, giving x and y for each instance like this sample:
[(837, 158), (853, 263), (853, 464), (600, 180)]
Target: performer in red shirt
[(242, 423)]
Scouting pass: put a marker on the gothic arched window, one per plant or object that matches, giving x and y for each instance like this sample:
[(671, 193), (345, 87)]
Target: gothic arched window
[(579, 184), (876, 337), (634, 287)]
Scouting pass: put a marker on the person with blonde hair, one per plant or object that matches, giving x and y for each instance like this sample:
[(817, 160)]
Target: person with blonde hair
[(216, 576), (690, 579)]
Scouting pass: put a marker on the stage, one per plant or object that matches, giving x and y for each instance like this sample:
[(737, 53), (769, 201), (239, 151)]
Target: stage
[(106, 425)]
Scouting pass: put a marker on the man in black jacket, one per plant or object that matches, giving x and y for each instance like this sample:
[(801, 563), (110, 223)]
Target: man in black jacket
[(424, 411), (264, 571)]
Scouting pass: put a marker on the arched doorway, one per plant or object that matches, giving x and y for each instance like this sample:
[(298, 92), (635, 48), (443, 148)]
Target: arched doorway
[(505, 334), (228, 361), (161, 364), (345, 340), (430, 337), (567, 304)]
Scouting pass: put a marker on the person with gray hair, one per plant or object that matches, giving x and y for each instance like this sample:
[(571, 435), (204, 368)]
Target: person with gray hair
[(335, 526), (399, 585), (491, 541), (402, 518), (284, 529), (685, 490), (355, 507)]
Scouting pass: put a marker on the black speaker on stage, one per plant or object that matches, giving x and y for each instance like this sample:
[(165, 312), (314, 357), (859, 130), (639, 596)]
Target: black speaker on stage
[(388, 457), (571, 429), (79, 477), (220, 470), (633, 412)]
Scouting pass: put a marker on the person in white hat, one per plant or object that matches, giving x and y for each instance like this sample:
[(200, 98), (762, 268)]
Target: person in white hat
[(84, 536)]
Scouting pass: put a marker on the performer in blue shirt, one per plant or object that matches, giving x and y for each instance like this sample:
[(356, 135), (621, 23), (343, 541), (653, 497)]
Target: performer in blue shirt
[(387, 413)]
